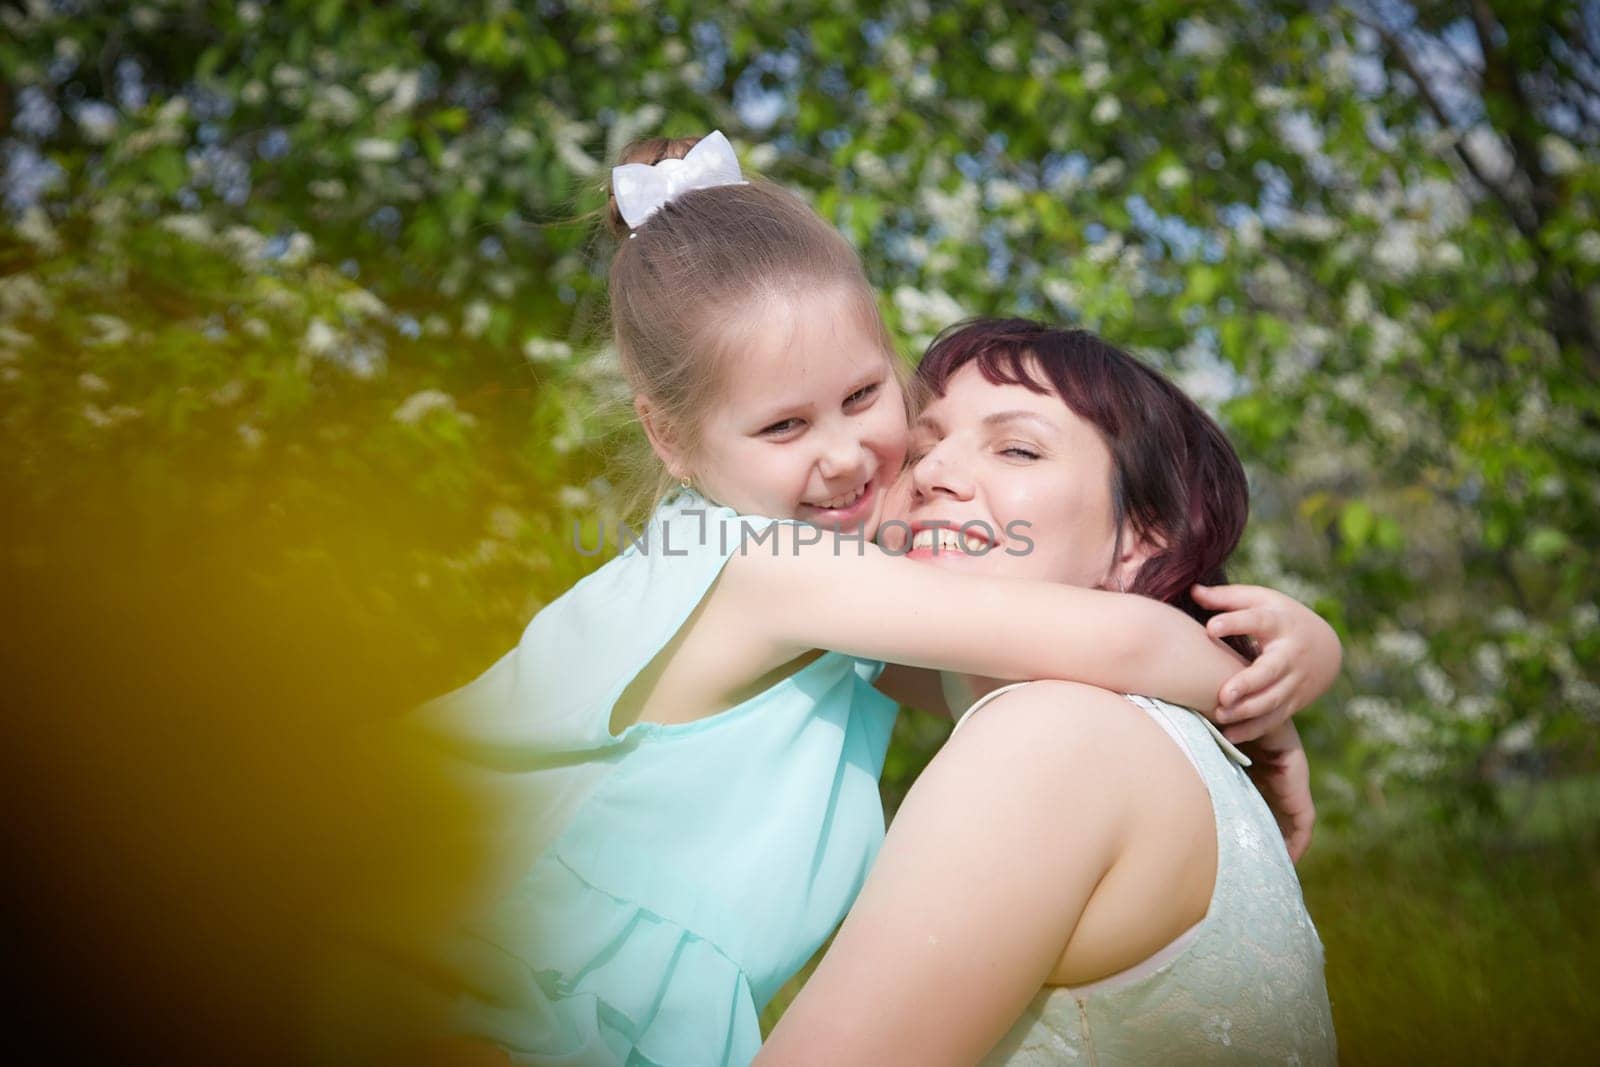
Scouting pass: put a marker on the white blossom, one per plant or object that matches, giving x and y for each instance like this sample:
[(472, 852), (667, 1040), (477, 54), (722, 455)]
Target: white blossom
[(247, 245), (419, 404), (320, 339), (407, 91), (297, 252), (1172, 176), (286, 77), (1061, 292), (1357, 304), (104, 418), (1107, 173), (1435, 684), (1272, 97), (926, 311), (1489, 152), (1588, 247), (1201, 40), (544, 350), (335, 103), (956, 212), (1310, 227), (1396, 250), (1559, 155), (376, 150), (1002, 55), (1506, 619), (21, 294), (1404, 646), (107, 330), (1518, 738), (34, 227), (576, 159), (1106, 110), (97, 121), (361, 303), (1491, 663), (762, 156), (475, 320)]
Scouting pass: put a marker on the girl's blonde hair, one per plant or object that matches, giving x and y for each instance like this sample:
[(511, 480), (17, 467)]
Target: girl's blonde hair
[(693, 269)]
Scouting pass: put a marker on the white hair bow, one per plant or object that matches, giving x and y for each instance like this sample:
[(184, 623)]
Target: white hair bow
[(641, 189)]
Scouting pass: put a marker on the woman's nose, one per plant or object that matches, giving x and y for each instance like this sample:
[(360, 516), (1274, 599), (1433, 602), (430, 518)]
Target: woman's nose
[(935, 475)]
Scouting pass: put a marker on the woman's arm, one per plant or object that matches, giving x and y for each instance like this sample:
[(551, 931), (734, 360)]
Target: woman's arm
[(799, 594), (980, 885)]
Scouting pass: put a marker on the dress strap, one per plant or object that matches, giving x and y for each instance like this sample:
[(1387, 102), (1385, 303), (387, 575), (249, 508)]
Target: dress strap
[(981, 701), (1154, 708), (1228, 747)]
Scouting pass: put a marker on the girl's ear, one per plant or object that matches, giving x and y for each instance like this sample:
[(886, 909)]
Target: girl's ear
[(662, 441)]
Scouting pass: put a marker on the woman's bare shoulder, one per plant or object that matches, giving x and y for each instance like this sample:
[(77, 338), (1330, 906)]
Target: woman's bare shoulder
[(1052, 712)]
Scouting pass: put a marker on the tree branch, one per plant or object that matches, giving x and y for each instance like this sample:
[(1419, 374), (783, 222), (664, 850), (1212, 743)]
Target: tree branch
[(1397, 48)]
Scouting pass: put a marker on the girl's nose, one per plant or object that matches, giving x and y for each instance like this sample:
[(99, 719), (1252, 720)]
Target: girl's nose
[(842, 456)]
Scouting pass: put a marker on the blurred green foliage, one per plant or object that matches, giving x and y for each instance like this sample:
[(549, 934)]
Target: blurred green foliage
[(318, 257)]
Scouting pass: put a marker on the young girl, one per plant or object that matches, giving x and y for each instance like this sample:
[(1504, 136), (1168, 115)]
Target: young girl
[(696, 720)]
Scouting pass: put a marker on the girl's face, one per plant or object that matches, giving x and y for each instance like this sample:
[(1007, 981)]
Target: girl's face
[(812, 421), (1028, 479)]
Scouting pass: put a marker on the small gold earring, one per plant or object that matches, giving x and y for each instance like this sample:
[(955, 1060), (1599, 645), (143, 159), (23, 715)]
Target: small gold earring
[(684, 481)]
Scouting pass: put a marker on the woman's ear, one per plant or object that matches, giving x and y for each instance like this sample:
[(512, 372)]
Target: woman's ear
[(662, 440), (1133, 553)]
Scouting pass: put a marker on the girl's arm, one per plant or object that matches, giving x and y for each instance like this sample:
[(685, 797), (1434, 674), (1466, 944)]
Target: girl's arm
[(1282, 776), (1300, 657), (799, 594), (976, 891)]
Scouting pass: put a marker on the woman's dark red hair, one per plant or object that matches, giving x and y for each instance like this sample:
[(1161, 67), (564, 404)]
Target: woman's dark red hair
[(1175, 480)]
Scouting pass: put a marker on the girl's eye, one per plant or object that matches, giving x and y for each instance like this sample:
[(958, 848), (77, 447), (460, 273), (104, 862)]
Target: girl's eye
[(861, 394), (778, 429)]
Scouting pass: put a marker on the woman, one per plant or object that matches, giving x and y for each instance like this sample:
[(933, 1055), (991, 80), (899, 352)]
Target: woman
[(1077, 876)]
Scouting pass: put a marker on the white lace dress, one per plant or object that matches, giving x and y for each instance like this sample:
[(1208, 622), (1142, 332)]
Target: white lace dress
[(1243, 985)]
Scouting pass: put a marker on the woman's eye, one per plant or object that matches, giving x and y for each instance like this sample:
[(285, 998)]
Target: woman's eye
[(1020, 452), (861, 394)]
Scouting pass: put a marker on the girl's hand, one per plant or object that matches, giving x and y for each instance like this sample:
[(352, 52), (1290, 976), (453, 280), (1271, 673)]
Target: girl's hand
[(1300, 657), (1283, 777)]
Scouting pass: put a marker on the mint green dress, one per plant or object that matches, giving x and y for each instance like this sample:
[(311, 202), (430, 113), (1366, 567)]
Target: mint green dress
[(678, 875)]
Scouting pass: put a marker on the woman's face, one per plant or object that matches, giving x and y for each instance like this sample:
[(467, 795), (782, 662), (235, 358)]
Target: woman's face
[(1022, 476)]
